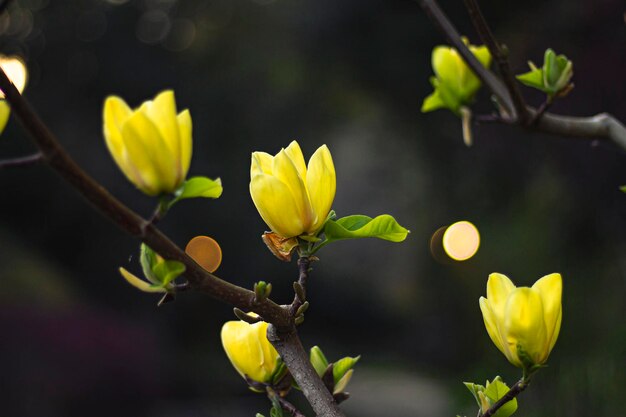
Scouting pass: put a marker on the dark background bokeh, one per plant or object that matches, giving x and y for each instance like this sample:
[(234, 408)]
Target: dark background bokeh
[(78, 341)]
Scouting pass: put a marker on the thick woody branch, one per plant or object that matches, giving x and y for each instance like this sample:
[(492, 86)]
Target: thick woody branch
[(439, 18), (200, 279), (499, 57), (295, 357)]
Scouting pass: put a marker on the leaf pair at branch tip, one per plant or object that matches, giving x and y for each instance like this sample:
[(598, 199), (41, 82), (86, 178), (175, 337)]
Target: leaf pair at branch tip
[(489, 394), (554, 76), (158, 272)]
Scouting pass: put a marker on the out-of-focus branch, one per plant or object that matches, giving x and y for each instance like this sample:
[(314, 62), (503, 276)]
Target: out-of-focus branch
[(499, 56), (24, 161), (602, 126), (440, 19), (4, 5)]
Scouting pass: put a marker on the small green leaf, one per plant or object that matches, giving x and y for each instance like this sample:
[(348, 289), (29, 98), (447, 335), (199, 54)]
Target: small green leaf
[(148, 259), (318, 360), (259, 415), (623, 188), (432, 102), (342, 366), (358, 226), (167, 271), (532, 79), (495, 390), (198, 187), (475, 389)]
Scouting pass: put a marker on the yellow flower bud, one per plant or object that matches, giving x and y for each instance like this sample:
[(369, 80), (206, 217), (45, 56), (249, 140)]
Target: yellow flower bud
[(151, 144), (293, 198), (524, 323), (248, 349), (455, 83)]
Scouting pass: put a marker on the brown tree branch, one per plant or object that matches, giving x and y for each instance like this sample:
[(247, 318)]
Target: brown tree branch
[(297, 360), (285, 405), (499, 57)]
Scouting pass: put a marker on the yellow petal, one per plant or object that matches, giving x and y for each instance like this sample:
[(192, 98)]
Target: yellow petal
[(115, 114), (276, 204), (261, 163), (186, 142), (499, 287), (5, 112), (248, 349), (491, 325), (286, 172), (139, 283), (524, 325), (448, 66), (162, 113), (321, 184), (294, 153), (148, 154), (550, 288)]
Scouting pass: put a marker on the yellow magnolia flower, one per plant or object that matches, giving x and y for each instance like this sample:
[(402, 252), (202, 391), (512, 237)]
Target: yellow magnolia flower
[(248, 349), (150, 144), (15, 69), (523, 322), (455, 83), (293, 198)]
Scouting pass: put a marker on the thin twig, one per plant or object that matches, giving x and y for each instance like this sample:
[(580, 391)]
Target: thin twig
[(304, 264), (512, 393), (499, 57), (440, 19), (286, 405), (24, 161), (540, 112)]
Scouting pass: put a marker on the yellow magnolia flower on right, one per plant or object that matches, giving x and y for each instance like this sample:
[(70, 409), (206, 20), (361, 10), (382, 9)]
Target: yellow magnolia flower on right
[(454, 82), (524, 323), (293, 199)]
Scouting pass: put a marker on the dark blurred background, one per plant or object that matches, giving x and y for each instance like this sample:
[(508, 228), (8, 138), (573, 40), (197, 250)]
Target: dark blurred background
[(256, 74)]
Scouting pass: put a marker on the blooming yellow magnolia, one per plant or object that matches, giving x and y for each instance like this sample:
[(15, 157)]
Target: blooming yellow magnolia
[(150, 144), (293, 198), (248, 349), (15, 69), (523, 322), (455, 83)]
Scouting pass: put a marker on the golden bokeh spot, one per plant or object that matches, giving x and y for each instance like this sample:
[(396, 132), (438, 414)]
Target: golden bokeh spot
[(15, 69), (461, 240), (205, 251)]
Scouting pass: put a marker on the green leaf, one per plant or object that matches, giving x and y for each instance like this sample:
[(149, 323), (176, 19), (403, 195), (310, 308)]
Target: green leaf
[(198, 187), (342, 366), (167, 271), (475, 389), (432, 102), (358, 226), (148, 259), (532, 79), (318, 360), (623, 188), (495, 390), (259, 415)]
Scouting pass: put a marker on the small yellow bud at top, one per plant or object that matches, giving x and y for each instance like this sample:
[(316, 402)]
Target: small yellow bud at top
[(151, 144), (293, 198), (248, 349), (524, 323)]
